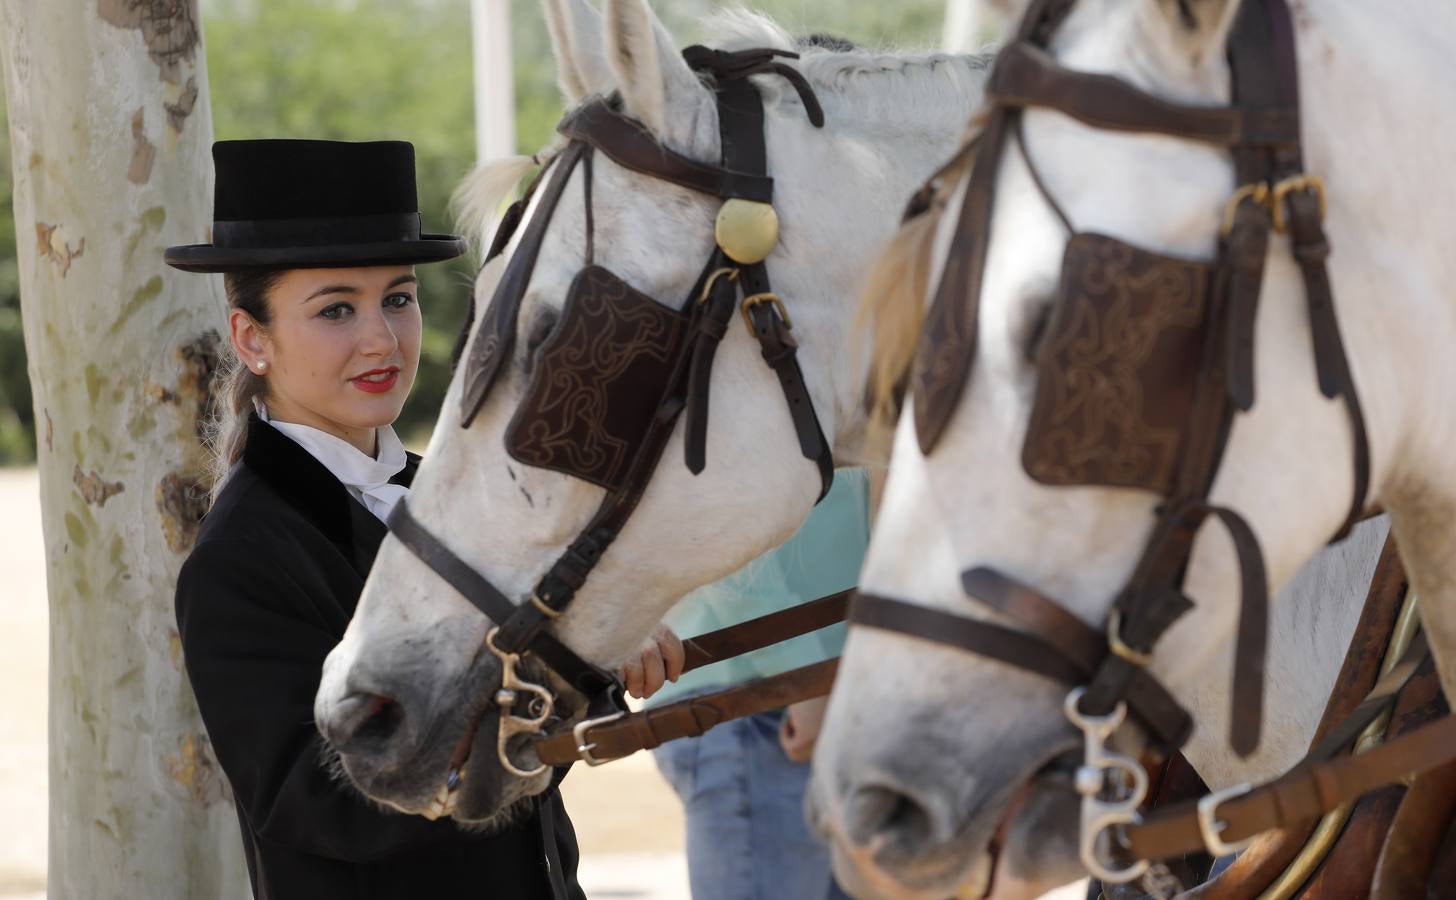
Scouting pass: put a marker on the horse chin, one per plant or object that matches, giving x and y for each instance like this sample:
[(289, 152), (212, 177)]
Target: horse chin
[(489, 797)]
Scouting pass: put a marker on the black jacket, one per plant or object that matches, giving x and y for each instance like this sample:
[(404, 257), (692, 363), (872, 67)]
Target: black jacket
[(265, 595)]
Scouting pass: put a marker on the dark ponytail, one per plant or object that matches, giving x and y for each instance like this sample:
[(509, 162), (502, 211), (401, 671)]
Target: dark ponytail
[(237, 386)]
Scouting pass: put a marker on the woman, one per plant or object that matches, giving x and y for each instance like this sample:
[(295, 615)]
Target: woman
[(317, 241)]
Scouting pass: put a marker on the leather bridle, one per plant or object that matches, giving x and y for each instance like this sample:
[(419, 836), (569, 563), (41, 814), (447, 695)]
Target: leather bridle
[(522, 630), (1108, 669)]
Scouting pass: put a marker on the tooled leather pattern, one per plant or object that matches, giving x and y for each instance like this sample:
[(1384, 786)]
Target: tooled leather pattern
[(597, 382), (1117, 367)]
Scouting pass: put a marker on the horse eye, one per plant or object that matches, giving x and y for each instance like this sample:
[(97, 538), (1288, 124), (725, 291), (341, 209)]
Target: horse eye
[(540, 328), (1036, 332)]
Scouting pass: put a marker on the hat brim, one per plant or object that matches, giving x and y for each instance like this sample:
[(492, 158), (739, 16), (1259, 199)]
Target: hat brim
[(211, 258)]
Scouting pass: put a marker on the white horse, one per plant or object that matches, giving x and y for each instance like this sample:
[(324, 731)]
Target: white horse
[(927, 753), (891, 119)]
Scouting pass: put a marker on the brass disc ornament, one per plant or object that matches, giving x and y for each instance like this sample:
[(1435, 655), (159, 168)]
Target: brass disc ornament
[(746, 230)]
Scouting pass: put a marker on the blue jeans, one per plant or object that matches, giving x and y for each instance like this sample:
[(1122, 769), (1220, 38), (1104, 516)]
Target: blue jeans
[(744, 804)]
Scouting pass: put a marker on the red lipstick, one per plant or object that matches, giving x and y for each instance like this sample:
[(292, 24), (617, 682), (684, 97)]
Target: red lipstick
[(377, 381)]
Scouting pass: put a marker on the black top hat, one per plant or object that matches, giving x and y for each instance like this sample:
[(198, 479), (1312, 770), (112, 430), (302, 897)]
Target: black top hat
[(286, 204)]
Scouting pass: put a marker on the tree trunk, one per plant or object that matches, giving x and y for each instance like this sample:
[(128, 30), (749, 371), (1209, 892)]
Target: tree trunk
[(110, 130)]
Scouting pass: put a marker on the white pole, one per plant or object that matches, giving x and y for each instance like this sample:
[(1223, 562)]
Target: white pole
[(956, 30), (972, 24), (495, 94)]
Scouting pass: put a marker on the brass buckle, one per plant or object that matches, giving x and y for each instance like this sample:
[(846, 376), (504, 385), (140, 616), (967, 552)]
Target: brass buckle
[(730, 271), (767, 297), (583, 748), (1301, 182), (1120, 649), (1209, 827), (1257, 192)]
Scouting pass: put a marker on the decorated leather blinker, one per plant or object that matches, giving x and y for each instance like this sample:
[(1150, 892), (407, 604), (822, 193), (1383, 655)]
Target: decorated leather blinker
[(1117, 367), (597, 381)]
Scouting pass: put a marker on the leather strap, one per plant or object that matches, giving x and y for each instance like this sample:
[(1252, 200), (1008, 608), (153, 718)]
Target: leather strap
[(484, 596), (628, 143), (712, 326), (780, 351), (773, 628), (1047, 644), (1304, 794), (687, 718), (1026, 75), (498, 330)]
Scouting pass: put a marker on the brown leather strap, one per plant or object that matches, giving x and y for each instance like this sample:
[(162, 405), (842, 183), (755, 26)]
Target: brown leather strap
[(1027, 76), (498, 329), (1306, 793), (755, 634), (686, 718), (1051, 643), (780, 350), (628, 143)]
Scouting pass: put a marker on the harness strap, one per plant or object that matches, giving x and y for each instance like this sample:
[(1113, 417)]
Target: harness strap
[(1050, 642), (1028, 76), (622, 736), (404, 527), (498, 329), (719, 295), (626, 142), (1304, 794), (686, 718)]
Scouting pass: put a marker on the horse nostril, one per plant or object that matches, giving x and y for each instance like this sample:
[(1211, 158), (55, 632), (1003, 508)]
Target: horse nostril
[(363, 719), (881, 814)]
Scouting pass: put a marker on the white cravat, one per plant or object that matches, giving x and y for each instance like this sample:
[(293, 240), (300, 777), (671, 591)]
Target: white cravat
[(365, 478)]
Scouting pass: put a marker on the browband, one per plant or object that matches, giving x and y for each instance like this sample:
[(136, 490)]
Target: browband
[(626, 142)]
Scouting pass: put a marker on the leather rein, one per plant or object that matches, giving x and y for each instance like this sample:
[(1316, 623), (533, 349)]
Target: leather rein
[(522, 635), (1108, 669)]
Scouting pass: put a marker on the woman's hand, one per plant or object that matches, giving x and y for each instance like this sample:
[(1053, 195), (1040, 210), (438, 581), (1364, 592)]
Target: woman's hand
[(800, 729), (659, 660)]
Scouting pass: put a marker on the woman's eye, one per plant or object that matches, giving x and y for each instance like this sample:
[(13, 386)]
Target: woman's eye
[(398, 301), (336, 311)]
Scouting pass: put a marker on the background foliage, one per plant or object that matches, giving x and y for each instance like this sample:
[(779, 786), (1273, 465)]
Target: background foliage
[(376, 69)]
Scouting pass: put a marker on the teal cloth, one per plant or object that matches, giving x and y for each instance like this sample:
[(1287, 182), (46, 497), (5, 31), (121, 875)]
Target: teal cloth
[(822, 557)]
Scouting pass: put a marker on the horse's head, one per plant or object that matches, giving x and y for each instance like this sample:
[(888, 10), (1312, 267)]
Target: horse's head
[(932, 757), (403, 691)]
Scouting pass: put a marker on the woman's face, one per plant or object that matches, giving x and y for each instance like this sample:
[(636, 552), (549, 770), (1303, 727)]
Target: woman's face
[(340, 350)]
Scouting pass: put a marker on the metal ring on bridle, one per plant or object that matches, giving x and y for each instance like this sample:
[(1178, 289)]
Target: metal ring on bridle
[(1119, 647), (729, 271), (1257, 192)]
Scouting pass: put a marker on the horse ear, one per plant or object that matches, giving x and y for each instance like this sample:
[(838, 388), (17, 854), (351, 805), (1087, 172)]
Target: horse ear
[(650, 72), (1201, 26), (576, 38)]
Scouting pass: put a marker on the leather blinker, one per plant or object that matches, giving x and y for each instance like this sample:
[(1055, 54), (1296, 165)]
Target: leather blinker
[(597, 381), (1117, 367)]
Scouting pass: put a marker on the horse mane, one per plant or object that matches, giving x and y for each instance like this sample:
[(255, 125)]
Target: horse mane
[(838, 71)]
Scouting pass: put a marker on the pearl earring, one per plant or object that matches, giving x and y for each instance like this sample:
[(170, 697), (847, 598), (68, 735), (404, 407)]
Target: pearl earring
[(262, 364)]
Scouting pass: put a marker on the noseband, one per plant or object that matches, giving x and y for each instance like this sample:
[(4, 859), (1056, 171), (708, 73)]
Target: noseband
[(1145, 362), (619, 369)]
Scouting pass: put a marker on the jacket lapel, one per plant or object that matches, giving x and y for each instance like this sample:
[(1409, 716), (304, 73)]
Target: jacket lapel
[(309, 487)]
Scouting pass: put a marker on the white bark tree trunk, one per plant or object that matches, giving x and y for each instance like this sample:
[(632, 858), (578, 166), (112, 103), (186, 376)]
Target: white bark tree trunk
[(111, 130)]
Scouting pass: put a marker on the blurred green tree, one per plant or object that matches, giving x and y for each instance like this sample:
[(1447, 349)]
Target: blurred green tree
[(379, 69)]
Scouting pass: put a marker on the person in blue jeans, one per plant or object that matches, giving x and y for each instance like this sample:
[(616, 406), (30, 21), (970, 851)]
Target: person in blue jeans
[(742, 783)]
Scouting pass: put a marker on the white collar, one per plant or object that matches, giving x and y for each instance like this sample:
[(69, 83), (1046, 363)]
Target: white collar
[(365, 477)]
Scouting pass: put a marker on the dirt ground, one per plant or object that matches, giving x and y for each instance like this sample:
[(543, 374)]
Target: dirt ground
[(628, 821)]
